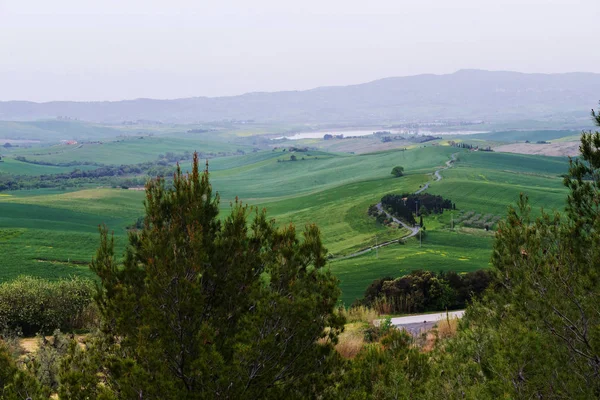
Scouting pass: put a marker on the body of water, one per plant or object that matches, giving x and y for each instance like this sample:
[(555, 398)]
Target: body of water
[(355, 133)]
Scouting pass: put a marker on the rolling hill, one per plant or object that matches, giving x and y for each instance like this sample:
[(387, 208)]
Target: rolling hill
[(466, 94)]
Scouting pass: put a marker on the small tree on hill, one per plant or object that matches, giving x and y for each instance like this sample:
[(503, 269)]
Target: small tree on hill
[(398, 171), (293, 157)]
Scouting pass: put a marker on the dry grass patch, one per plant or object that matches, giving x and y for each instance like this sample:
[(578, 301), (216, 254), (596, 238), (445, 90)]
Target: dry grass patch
[(445, 329), (32, 345), (351, 341), (360, 314)]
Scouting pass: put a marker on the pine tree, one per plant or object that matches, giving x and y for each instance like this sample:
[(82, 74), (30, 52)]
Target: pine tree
[(537, 332), (204, 308)]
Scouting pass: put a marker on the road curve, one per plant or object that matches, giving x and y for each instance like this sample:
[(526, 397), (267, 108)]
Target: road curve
[(414, 230)]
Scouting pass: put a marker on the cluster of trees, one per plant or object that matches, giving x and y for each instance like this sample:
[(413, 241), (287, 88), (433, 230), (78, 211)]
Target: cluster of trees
[(113, 175), (19, 182), (403, 206), (396, 206), (30, 305), (59, 164), (462, 145), (427, 203), (380, 216), (199, 130), (298, 149), (425, 138), (126, 175), (422, 291), (170, 157)]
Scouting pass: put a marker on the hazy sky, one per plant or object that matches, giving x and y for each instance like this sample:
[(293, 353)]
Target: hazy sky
[(124, 49)]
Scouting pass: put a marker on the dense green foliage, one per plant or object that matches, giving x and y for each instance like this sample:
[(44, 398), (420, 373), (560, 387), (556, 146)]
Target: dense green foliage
[(32, 305), (205, 308), (422, 201), (15, 383), (398, 171), (422, 291), (395, 205), (537, 334)]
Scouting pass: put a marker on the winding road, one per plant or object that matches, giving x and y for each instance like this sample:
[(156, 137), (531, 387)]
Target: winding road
[(414, 230)]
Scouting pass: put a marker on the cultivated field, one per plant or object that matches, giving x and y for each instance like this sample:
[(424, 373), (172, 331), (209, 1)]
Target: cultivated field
[(53, 233)]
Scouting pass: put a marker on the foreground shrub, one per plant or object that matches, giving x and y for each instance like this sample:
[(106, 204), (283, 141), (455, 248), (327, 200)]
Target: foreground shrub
[(16, 383), (32, 305)]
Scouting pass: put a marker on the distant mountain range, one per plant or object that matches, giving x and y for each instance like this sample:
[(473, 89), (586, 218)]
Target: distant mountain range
[(466, 95)]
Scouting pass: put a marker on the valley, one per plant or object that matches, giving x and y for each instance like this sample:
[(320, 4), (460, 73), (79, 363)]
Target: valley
[(51, 232)]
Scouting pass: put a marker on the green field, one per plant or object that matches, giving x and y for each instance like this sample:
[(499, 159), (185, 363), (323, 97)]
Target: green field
[(488, 182), (53, 233), (16, 167), (128, 150), (521, 136), (440, 251), (54, 130)]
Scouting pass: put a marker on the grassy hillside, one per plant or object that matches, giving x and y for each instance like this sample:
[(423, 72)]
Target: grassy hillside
[(521, 136), (440, 251), (128, 150), (15, 167), (54, 130), (53, 233)]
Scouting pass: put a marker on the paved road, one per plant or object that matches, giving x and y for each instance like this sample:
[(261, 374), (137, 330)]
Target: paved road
[(414, 230), (415, 324), (449, 164), (421, 318)]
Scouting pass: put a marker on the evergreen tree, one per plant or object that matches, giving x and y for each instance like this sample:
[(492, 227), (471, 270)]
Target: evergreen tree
[(203, 308), (537, 333), (16, 383)]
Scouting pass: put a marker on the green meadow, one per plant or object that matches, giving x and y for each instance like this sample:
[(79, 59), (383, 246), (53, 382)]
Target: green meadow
[(16, 167), (53, 233), (129, 149)]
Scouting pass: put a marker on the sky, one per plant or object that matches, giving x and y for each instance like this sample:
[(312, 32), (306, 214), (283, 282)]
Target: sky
[(126, 49)]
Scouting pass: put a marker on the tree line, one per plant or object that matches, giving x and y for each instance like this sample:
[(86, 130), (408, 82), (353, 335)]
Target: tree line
[(422, 291)]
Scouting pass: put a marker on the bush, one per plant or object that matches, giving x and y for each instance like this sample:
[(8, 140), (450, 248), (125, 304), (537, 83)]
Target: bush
[(33, 305), (425, 291)]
